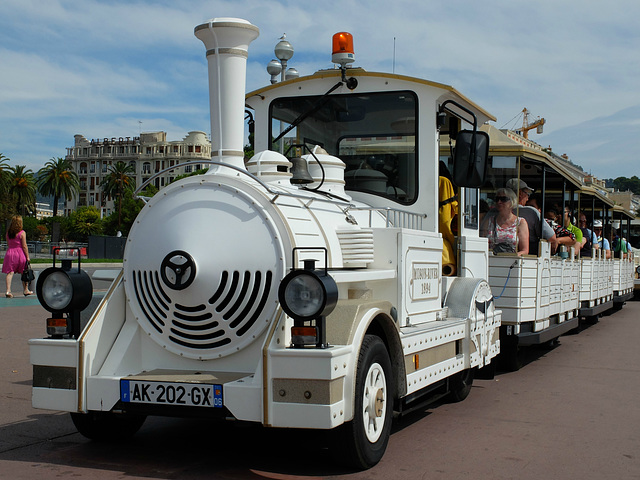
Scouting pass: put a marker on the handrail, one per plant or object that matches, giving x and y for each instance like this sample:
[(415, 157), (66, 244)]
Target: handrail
[(394, 217), (275, 193)]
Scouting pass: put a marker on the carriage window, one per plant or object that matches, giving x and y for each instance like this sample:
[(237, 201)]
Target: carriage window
[(373, 134)]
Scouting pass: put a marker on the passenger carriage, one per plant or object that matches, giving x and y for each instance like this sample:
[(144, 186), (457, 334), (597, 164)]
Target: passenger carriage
[(596, 284), (544, 294), (624, 266)]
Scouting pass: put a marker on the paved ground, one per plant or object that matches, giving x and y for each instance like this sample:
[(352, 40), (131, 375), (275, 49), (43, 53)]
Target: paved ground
[(570, 413)]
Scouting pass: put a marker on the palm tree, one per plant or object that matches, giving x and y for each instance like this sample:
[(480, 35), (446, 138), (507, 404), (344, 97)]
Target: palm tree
[(5, 171), (57, 178), (117, 182), (23, 189)]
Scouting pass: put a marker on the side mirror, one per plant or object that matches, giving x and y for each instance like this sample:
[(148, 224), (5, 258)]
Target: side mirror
[(470, 159)]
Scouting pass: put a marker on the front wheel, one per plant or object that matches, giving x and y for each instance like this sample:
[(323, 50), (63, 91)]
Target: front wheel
[(365, 438), (107, 426), (460, 385)]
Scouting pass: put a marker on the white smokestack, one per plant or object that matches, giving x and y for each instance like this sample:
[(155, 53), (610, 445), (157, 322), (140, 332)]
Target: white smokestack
[(227, 42)]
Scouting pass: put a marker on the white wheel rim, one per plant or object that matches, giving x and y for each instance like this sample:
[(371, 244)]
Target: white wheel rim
[(374, 402)]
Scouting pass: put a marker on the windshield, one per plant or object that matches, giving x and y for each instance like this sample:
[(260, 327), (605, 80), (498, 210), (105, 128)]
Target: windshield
[(373, 134)]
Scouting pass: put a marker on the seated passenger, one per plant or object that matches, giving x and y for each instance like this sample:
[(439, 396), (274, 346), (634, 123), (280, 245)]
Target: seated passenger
[(506, 232), (563, 236), (619, 245), (591, 241), (603, 242), (532, 216), (567, 222)]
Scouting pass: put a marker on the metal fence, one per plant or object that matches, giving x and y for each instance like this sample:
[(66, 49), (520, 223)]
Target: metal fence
[(46, 249)]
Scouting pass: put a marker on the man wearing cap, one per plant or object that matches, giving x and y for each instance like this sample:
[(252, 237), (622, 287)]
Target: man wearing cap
[(603, 242), (532, 216)]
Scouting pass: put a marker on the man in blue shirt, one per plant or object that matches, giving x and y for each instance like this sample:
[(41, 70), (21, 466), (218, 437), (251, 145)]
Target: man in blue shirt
[(602, 242)]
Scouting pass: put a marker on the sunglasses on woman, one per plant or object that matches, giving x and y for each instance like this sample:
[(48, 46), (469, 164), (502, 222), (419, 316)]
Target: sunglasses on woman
[(502, 199)]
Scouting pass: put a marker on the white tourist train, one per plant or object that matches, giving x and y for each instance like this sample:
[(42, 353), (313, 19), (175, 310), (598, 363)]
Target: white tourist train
[(318, 285)]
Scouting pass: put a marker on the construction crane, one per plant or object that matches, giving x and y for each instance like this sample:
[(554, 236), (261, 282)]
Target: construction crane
[(526, 126)]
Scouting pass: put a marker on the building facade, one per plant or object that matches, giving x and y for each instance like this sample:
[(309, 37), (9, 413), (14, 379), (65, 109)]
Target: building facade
[(148, 154)]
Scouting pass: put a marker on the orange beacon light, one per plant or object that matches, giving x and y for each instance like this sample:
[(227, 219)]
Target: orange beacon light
[(343, 48)]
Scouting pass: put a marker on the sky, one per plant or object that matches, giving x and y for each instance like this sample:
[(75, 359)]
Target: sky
[(115, 68)]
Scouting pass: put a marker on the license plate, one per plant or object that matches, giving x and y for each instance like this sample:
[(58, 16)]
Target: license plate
[(167, 393)]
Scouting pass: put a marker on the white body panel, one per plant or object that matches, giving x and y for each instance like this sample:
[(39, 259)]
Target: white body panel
[(539, 291)]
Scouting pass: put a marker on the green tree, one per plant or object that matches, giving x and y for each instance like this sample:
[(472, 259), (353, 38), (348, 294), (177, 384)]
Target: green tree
[(624, 184), (5, 172), (65, 226), (130, 209), (202, 171), (23, 189), (117, 182), (30, 224), (7, 205), (57, 178), (86, 221)]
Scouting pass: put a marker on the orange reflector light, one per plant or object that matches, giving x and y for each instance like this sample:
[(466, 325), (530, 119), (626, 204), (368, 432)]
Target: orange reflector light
[(57, 322), (342, 52), (303, 331), (57, 327)]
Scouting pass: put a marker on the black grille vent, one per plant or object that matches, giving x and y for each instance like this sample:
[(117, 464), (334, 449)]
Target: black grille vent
[(233, 308)]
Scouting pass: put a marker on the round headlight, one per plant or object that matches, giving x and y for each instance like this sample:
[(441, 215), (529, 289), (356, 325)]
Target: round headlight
[(305, 295), (62, 290), (638, 269), (57, 290)]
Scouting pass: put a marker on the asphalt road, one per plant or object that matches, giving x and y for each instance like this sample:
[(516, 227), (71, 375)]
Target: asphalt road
[(571, 413)]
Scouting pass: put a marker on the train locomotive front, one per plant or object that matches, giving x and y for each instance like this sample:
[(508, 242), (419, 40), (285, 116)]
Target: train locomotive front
[(244, 295)]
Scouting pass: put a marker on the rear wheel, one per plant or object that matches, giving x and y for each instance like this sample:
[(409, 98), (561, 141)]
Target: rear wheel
[(511, 354), (364, 439), (107, 426)]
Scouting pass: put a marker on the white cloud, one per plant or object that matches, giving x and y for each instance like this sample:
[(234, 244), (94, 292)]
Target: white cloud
[(97, 67)]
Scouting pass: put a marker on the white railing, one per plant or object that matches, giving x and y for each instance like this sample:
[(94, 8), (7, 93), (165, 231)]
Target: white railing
[(395, 218)]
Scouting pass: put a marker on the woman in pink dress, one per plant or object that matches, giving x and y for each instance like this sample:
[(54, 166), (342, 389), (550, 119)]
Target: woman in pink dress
[(17, 254)]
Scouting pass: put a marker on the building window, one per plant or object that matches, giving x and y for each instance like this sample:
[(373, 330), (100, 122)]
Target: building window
[(187, 169), (198, 148), (190, 149), (146, 168)]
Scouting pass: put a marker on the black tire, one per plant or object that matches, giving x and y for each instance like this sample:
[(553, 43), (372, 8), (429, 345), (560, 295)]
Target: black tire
[(107, 426), (363, 441), (511, 354), (460, 385)]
